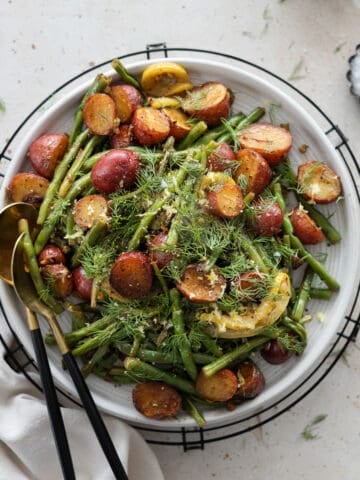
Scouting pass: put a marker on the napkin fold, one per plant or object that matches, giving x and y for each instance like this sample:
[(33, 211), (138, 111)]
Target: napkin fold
[(27, 447)]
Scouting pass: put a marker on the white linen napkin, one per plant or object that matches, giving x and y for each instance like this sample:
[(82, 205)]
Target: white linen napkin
[(27, 448)]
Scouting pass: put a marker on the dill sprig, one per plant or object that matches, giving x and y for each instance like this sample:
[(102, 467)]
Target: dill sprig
[(136, 317), (97, 259), (57, 212), (309, 431), (272, 112), (232, 132), (296, 74)]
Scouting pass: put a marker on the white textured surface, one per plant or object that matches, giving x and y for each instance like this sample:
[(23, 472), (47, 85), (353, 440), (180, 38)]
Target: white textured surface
[(44, 43)]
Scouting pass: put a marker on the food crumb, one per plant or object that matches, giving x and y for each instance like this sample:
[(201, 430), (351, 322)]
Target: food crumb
[(91, 64), (33, 46), (303, 148)]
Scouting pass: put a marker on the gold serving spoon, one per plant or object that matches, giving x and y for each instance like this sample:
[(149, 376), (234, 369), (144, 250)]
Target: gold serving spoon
[(27, 293), (9, 218)]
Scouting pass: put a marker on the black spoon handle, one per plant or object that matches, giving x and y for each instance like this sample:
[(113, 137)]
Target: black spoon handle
[(95, 417), (52, 403)]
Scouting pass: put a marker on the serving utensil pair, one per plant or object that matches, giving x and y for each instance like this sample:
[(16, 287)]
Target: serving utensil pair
[(12, 271)]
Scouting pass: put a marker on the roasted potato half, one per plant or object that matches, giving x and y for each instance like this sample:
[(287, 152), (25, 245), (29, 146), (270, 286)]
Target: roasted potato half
[(156, 400), (27, 187)]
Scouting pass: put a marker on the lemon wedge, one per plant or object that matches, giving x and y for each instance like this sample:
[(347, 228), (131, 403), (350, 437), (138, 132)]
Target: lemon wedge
[(164, 79)]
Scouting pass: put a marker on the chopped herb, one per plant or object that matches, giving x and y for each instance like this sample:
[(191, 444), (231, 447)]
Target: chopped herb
[(2, 106), (296, 73), (339, 47), (303, 148), (267, 17), (248, 34), (272, 111), (308, 433), (266, 14)]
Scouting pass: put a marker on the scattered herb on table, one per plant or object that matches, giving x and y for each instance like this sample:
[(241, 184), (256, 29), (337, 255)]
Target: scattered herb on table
[(309, 432)]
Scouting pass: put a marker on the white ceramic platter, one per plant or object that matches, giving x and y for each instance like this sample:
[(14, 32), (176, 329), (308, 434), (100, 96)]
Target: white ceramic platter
[(343, 260)]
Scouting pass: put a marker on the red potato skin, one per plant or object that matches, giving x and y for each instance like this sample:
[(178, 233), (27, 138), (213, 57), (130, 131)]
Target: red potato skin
[(50, 255), (132, 275), (46, 152), (251, 380), (156, 254), (208, 109), (82, 284), (27, 187), (114, 170), (99, 114), (274, 353), (268, 218), (150, 126), (221, 159), (127, 99), (271, 141), (226, 202), (255, 169), (305, 228), (156, 400), (220, 387), (198, 287), (123, 137)]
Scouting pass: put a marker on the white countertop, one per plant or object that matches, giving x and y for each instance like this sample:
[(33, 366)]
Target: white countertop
[(43, 43)]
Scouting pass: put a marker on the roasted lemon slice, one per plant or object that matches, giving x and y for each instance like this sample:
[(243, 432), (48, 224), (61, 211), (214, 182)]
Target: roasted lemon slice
[(165, 78), (255, 317)]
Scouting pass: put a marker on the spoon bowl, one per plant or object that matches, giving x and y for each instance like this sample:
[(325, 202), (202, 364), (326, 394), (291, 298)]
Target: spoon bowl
[(9, 217)]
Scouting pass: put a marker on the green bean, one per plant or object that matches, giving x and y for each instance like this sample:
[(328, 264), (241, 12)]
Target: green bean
[(190, 407), (179, 328), (296, 327), (96, 357), (78, 186), (215, 133), (47, 229), (149, 372), (151, 213), (73, 171), (252, 251), (59, 174), (75, 336), (34, 270), (253, 117), (320, 293), (318, 267), (156, 356), (303, 295), (160, 278), (236, 354), (286, 224), (197, 130), (125, 76)]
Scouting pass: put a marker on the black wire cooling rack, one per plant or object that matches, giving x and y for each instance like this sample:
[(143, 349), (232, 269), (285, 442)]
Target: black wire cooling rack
[(196, 438)]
